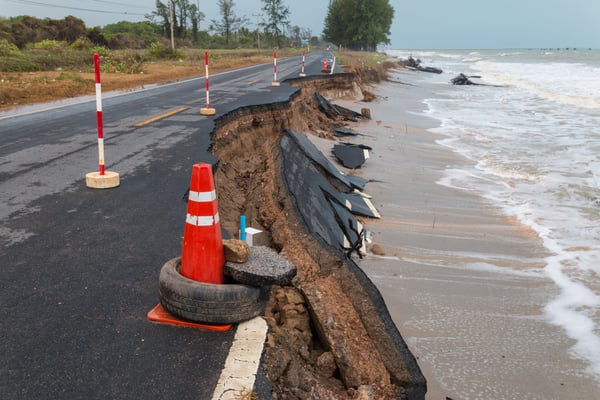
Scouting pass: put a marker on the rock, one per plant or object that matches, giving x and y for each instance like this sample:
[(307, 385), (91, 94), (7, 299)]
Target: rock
[(377, 250), (290, 312), (293, 297), (365, 393), (366, 112), (326, 364), (264, 267), (278, 361), (341, 329), (236, 251)]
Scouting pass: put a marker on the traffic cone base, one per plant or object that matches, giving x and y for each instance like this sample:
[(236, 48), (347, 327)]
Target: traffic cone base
[(208, 111), (108, 180), (275, 83), (160, 315)]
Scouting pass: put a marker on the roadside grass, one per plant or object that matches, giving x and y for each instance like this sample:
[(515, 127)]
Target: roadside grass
[(247, 394), (369, 66), (363, 58)]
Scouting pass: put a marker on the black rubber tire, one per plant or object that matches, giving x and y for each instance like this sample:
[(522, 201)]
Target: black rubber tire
[(206, 302)]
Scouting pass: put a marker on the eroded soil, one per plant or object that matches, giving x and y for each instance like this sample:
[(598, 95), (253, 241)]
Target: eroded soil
[(325, 338)]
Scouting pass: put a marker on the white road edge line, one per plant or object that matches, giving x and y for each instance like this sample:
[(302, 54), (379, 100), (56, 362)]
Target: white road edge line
[(243, 360)]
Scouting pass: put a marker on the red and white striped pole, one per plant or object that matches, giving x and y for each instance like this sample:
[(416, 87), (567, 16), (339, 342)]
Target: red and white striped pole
[(207, 110), (275, 83), (302, 74), (99, 114), (102, 179)]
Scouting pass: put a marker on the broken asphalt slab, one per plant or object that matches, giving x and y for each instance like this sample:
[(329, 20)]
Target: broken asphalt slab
[(351, 155)]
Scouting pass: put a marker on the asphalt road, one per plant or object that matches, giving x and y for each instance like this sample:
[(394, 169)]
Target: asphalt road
[(79, 267)]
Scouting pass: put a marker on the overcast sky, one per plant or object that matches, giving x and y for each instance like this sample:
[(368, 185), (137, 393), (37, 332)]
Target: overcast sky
[(457, 24)]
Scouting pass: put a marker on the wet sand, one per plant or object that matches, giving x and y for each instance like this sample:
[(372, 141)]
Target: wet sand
[(463, 283)]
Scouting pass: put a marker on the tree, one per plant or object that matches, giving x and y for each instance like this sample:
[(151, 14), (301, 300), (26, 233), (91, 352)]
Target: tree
[(195, 17), (160, 16), (295, 36), (229, 22), (277, 19), (358, 24), (69, 29), (96, 36), (25, 29), (180, 13), (144, 31), (183, 13)]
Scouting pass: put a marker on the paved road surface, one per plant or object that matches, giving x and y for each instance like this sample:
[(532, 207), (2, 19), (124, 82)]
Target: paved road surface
[(79, 267)]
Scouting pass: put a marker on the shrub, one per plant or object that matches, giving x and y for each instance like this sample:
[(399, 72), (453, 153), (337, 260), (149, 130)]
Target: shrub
[(82, 43), (49, 45), (8, 49), (125, 41), (101, 50), (160, 51), (18, 64), (128, 63)]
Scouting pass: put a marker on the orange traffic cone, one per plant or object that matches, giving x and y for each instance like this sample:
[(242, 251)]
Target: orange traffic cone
[(324, 65), (202, 256)]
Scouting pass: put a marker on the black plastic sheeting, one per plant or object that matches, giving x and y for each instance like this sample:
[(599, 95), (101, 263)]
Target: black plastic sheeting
[(327, 211), (351, 155), (334, 111), (344, 131), (349, 182), (350, 114), (324, 105), (358, 204)]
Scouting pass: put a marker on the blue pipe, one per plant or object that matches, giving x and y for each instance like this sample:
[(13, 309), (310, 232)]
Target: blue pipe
[(242, 227)]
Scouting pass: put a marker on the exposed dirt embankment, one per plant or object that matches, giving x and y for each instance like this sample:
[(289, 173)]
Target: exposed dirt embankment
[(327, 338)]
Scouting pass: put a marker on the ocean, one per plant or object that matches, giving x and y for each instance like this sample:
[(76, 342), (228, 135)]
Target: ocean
[(533, 136)]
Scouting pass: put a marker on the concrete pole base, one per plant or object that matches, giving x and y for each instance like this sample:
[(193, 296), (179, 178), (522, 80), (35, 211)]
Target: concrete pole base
[(109, 180), (208, 111), (275, 83)]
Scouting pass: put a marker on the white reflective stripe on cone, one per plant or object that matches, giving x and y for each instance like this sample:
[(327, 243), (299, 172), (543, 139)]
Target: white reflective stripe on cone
[(201, 220), (202, 197)]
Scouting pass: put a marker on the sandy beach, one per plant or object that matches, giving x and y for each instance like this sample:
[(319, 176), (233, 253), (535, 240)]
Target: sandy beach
[(456, 274)]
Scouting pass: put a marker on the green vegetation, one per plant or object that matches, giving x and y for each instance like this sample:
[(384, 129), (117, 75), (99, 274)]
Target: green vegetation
[(50, 55), (24, 30), (8, 49), (359, 24), (29, 44), (229, 22), (186, 20), (277, 18)]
